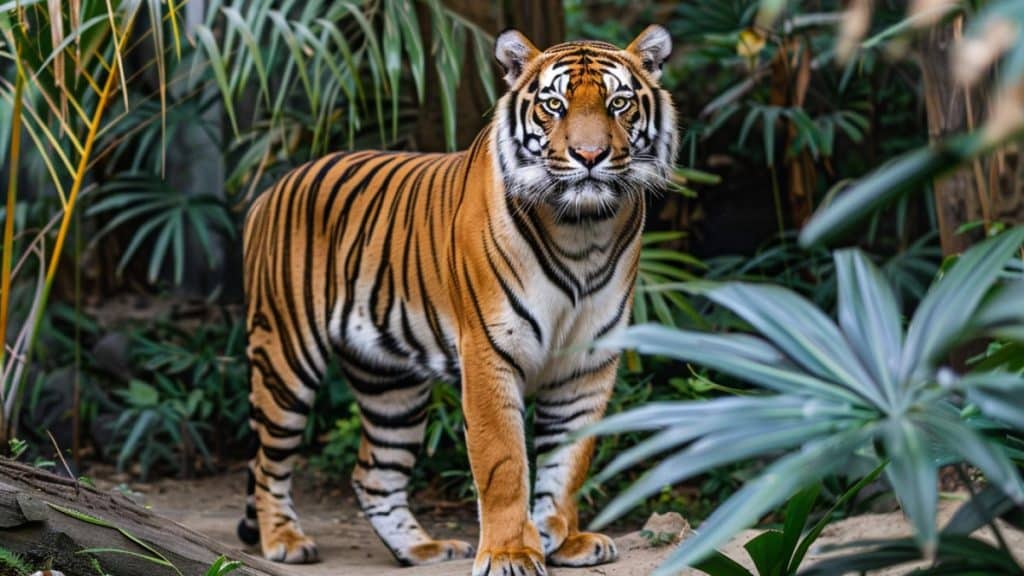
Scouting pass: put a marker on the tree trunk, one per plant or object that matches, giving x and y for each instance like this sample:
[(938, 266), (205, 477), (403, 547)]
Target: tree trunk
[(32, 526), (951, 110)]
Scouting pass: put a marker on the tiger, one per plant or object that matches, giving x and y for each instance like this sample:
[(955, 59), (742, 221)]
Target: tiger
[(492, 269)]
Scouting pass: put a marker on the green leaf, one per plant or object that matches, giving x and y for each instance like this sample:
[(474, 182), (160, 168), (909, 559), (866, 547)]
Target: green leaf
[(956, 556), (142, 425), (686, 421), (990, 503), (797, 512), (160, 246), (767, 551), (715, 450), (906, 173), (655, 415), (217, 64), (986, 455), (142, 394), (146, 557), (763, 493), (697, 176), (949, 307), (279, 21), (745, 357), (1001, 313), (1003, 404), (391, 40), (718, 564), (912, 474), (238, 22), (413, 43), (484, 49), (223, 566), (815, 531), (870, 318), (82, 516), (801, 331), (659, 237)]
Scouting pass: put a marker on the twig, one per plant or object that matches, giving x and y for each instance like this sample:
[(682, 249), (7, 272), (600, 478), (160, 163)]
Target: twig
[(67, 468), (735, 93)]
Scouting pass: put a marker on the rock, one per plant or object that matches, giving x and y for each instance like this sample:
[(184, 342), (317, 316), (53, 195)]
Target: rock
[(669, 522), (51, 410), (659, 530), (112, 354)]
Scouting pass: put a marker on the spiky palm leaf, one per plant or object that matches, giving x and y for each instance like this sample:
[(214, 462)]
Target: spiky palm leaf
[(837, 388)]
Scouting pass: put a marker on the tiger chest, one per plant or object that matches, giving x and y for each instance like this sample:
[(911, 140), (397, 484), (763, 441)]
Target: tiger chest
[(550, 332)]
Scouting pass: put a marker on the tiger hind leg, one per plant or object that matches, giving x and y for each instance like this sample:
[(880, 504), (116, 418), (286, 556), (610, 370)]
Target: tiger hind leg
[(281, 398), (393, 426)]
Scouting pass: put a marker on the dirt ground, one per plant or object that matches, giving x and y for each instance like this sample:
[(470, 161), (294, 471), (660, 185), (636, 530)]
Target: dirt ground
[(348, 545)]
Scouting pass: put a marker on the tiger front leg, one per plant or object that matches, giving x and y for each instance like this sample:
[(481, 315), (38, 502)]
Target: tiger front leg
[(495, 437), (562, 468)]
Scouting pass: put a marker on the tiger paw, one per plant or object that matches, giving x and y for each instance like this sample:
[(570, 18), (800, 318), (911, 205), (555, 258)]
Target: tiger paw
[(518, 561), (553, 531), (290, 546), (437, 551), (584, 549)]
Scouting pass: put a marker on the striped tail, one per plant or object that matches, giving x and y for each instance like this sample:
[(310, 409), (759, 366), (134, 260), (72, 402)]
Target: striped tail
[(248, 526)]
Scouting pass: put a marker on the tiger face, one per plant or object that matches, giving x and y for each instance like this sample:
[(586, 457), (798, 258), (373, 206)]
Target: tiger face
[(584, 124)]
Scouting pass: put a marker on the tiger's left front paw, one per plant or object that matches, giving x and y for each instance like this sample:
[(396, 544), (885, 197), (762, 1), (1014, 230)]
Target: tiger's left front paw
[(584, 549)]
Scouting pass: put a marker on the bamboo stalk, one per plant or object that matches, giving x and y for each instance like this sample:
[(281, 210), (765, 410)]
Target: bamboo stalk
[(8, 240)]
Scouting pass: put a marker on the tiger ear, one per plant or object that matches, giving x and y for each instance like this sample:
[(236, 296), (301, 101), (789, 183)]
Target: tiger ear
[(514, 51), (653, 47)]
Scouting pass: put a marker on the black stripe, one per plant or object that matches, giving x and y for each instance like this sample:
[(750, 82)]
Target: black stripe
[(501, 352), (512, 297)]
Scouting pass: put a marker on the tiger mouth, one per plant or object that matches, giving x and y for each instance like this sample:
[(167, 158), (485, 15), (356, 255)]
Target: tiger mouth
[(585, 199)]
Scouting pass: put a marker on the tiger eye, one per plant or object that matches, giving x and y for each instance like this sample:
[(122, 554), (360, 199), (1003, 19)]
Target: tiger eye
[(619, 103), (553, 105)]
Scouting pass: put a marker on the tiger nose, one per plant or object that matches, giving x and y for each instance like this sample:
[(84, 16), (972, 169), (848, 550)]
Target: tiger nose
[(589, 156)]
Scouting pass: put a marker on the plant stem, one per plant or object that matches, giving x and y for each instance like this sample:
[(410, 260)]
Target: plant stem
[(966, 479)]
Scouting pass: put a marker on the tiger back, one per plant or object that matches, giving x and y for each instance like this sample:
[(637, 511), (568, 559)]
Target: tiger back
[(490, 269)]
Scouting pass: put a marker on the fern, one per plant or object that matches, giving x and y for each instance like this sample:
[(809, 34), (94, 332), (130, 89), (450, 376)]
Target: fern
[(12, 564)]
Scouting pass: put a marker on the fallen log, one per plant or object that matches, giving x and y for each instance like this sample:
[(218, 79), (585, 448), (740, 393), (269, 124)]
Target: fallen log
[(62, 524)]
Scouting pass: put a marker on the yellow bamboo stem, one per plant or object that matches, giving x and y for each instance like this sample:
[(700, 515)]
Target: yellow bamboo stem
[(83, 163), (8, 241)]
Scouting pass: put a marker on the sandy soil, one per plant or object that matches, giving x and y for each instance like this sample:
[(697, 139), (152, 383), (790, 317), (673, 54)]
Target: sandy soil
[(348, 545)]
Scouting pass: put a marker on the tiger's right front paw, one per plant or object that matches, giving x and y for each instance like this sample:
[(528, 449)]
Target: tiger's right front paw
[(517, 561)]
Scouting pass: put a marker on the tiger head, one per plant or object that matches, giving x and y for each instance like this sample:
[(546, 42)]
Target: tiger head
[(584, 124)]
